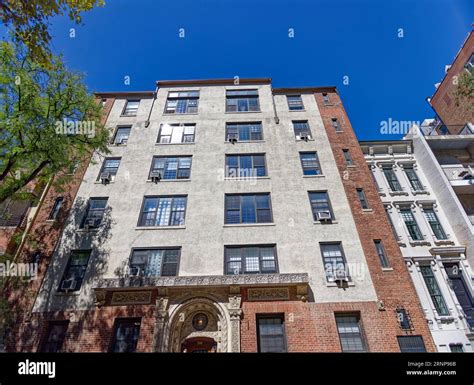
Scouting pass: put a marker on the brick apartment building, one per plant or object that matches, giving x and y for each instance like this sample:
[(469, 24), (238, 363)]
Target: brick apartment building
[(228, 217), (453, 117)]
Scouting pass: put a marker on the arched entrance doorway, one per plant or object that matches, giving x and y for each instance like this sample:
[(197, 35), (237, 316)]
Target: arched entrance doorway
[(197, 325), (199, 345)]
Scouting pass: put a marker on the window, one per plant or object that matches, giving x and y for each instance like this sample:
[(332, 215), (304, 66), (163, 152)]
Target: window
[(411, 344), (271, 333), (245, 166), (350, 333), (403, 319), (470, 64), (389, 217), (248, 208), (320, 205), (456, 348), (433, 289), (411, 224), (433, 221), (75, 271), (295, 103), (336, 125), (182, 102), (126, 332), (381, 253), (55, 336), (163, 211), (347, 157), (131, 108), (121, 135), (56, 208), (176, 133), (174, 167), (333, 259), (362, 198), (155, 262), (242, 101), (391, 178), (244, 131), (413, 178), (301, 129), (250, 260), (13, 212), (326, 98), (95, 212), (310, 163), (110, 167)]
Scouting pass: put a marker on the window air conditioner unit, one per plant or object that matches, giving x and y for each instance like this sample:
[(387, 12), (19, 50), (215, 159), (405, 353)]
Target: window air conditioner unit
[(324, 216), (155, 176), (305, 136), (105, 177), (91, 223), (121, 142), (340, 276), (134, 271), (68, 285), (233, 139)]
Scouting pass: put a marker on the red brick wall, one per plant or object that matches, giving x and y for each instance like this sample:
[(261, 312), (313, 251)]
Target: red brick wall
[(393, 287), (43, 236), (311, 327), (88, 331), (443, 101)]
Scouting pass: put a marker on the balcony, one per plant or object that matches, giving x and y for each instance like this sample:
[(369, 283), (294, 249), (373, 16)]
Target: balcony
[(459, 175)]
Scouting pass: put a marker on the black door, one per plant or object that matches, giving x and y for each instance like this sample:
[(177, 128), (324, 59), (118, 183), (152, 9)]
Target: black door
[(462, 293)]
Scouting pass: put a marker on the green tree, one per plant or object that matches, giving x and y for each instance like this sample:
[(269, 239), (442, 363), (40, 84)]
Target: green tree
[(48, 121), (464, 92), (29, 20)]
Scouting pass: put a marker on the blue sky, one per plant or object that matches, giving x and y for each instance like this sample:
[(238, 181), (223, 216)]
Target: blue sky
[(389, 76)]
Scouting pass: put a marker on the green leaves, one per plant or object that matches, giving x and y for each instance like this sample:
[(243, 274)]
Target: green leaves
[(48, 120), (29, 21)]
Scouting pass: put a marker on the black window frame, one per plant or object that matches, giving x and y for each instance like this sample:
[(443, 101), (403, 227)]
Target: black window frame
[(125, 321), (313, 209), (82, 270), (391, 178), (125, 107), (240, 195), (183, 96), (318, 170), (141, 219), (299, 105), (56, 210), (131, 265), (432, 285), (413, 178), (364, 203), (336, 125), (183, 136), (243, 270), (360, 334), (164, 170), (436, 226), (274, 316), (89, 209), (254, 173), (113, 174), (347, 157), (413, 228), (330, 277), (235, 128), (297, 131), (45, 343), (245, 95), (414, 349), (117, 129), (382, 254)]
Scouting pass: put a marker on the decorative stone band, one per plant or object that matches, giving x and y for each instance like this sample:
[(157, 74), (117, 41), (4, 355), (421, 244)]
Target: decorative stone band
[(203, 281), (139, 290)]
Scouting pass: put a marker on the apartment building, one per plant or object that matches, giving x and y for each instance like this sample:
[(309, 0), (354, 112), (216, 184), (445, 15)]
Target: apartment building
[(454, 115), (229, 216), (435, 258)]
